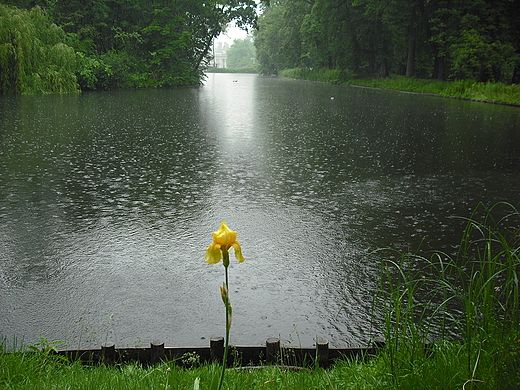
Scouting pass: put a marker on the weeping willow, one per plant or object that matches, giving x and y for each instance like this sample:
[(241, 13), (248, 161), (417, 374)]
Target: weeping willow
[(33, 57)]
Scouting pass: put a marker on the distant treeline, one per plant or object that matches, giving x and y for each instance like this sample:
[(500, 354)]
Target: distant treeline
[(68, 45), (436, 39)]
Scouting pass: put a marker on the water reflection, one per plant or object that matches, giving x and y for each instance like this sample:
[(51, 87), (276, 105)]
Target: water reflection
[(107, 202)]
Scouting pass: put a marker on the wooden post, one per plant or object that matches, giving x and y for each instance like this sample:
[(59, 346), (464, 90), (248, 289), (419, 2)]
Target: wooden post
[(156, 351), (272, 350), (108, 353), (216, 349), (322, 352)]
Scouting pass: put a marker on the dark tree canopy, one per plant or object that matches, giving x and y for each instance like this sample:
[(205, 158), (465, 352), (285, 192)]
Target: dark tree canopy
[(440, 39), (140, 43)]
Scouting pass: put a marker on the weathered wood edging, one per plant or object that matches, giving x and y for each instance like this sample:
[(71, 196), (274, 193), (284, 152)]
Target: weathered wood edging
[(272, 353)]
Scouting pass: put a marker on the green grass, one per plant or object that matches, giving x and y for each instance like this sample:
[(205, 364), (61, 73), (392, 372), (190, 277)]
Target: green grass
[(34, 371), (473, 297), (461, 89), (451, 321)]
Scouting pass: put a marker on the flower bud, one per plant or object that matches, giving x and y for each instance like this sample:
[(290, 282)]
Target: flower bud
[(224, 293)]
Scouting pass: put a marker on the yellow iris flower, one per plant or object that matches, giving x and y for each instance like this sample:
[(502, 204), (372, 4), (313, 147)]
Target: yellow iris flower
[(223, 240)]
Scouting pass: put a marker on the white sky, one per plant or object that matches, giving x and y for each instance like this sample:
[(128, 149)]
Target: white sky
[(231, 34)]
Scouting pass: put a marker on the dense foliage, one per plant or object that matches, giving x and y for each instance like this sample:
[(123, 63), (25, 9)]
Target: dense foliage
[(130, 43), (438, 39), (241, 54), (33, 57)]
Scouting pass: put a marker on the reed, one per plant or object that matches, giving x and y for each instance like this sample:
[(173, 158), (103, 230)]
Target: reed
[(471, 298)]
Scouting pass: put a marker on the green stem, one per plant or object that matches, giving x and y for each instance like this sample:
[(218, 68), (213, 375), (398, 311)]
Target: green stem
[(226, 348)]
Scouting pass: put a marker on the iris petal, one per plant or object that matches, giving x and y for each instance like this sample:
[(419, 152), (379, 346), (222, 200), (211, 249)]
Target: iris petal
[(238, 251), (223, 239), (224, 235), (213, 254)]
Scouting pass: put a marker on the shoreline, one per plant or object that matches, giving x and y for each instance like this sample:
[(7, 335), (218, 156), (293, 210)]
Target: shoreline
[(437, 95), (470, 90)]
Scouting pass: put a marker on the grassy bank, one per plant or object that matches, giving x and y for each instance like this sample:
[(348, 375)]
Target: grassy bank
[(461, 89), (232, 70), (472, 296), (443, 370), (450, 322)]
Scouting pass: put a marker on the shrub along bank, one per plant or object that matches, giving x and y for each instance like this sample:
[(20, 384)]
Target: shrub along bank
[(461, 89)]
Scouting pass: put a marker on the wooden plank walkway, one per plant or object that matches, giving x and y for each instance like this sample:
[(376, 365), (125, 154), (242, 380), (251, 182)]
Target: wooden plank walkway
[(239, 356)]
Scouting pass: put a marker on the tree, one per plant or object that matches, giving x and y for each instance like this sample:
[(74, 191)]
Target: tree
[(133, 43), (269, 40), (33, 55), (325, 41), (241, 54), (441, 39), (278, 37), (486, 46)]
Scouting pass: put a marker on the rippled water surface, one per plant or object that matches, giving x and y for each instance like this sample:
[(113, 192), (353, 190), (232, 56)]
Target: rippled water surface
[(108, 201)]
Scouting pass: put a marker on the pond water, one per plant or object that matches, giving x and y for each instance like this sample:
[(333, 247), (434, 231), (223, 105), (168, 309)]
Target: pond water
[(108, 201)]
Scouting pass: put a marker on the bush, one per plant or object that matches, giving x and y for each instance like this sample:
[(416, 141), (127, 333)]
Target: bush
[(113, 70)]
